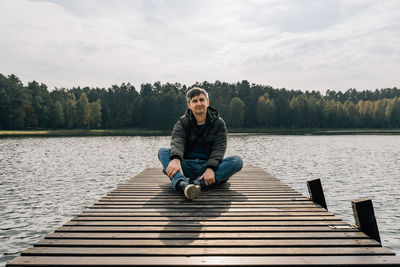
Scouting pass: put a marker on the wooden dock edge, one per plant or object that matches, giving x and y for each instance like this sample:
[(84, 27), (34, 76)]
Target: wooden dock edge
[(209, 261)]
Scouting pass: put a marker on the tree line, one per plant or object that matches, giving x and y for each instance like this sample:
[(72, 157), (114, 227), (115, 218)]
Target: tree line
[(158, 106)]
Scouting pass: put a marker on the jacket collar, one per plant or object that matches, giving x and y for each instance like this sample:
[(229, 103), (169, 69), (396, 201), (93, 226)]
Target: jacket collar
[(212, 115)]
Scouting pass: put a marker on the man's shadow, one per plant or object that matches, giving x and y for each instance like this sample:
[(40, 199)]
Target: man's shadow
[(186, 218)]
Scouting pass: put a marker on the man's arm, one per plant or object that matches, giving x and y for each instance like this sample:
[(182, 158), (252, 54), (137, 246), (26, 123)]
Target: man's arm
[(173, 167), (178, 138), (217, 154), (218, 147), (208, 176)]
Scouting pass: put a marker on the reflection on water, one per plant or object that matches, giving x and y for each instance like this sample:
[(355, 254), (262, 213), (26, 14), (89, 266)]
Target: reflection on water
[(45, 181)]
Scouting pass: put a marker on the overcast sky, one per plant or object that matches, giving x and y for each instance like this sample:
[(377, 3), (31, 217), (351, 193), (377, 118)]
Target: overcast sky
[(295, 44)]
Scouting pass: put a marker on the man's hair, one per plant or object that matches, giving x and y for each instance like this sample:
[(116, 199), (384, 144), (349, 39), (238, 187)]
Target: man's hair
[(195, 91)]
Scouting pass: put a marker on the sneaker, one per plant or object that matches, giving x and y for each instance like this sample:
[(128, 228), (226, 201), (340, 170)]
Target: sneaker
[(192, 191)]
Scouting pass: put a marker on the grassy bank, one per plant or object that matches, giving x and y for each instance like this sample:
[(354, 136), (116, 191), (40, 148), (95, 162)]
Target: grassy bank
[(278, 131), (233, 131), (84, 132)]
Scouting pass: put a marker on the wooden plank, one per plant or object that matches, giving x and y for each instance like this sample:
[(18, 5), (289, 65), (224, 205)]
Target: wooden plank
[(199, 213), (233, 194), (201, 228), (316, 192), (202, 198), (364, 217), (233, 211), (94, 216), (207, 209), (209, 235), (215, 192), (206, 223), (199, 251), (226, 187), (208, 243), (200, 206), (237, 188), (208, 261), (250, 187), (204, 202)]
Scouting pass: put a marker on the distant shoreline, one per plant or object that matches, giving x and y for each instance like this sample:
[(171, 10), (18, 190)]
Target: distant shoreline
[(234, 132)]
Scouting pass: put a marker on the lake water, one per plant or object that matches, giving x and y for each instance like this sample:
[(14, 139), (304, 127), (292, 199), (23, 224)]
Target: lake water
[(44, 182)]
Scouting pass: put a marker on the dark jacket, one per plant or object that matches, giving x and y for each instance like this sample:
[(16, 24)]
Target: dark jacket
[(185, 134)]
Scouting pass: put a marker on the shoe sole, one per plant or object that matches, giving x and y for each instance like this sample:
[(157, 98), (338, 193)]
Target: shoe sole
[(192, 191)]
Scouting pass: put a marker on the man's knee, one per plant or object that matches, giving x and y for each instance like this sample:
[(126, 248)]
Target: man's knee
[(164, 152), (234, 163), (237, 162)]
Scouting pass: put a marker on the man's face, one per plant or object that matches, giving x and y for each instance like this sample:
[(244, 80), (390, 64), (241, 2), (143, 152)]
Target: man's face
[(199, 104)]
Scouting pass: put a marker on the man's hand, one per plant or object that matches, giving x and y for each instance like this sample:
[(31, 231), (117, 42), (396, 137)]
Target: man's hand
[(173, 167), (208, 176)]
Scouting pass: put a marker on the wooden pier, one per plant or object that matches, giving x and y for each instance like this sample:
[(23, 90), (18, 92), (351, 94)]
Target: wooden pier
[(253, 220)]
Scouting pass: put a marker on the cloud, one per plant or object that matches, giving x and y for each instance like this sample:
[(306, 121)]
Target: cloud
[(310, 44)]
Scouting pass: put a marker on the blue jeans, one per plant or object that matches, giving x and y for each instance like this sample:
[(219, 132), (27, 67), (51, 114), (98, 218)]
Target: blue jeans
[(194, 168)]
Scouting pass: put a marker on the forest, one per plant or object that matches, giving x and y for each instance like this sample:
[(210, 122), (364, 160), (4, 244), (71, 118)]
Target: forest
[(158, 106)]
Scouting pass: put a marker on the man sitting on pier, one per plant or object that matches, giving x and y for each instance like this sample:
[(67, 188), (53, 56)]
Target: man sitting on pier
[(198, 145)]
